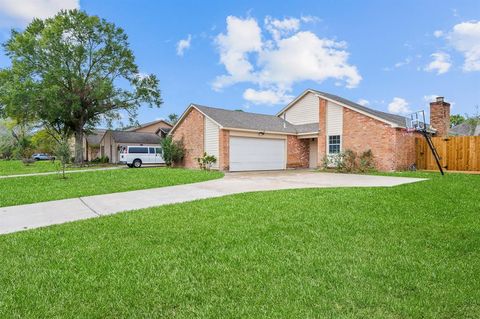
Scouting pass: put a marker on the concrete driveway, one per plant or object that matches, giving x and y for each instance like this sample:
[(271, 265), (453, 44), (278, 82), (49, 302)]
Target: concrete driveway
[(22, 217)]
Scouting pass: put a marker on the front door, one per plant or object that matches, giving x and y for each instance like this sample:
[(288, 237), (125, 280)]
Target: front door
[(313, 154)]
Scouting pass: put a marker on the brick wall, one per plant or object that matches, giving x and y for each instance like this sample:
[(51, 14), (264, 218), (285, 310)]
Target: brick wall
[(322, 128), (361, 133), (191, 130), (297, 152), (405, 149), (224, 152)]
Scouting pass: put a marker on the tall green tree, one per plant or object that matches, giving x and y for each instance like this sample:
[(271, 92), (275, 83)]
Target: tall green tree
[(71, 72), (456, 119), (173, 118)]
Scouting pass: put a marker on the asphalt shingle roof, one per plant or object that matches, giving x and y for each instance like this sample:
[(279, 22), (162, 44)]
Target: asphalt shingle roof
[(465, 129), (134, 128), (95, 137), (272, 123), (135, 137), (393, 118), (247, 120)]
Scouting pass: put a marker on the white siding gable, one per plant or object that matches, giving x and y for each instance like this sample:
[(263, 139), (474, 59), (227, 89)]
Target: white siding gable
[(304, 111), (211, 139), (334, 119)]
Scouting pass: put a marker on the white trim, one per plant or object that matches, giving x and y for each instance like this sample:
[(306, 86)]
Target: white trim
[(289, 105), (257, 131), (185, 114), (294, 101), (358, 111)]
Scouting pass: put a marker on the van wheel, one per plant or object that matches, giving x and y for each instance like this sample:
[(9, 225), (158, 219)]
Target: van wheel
[(137, 163)]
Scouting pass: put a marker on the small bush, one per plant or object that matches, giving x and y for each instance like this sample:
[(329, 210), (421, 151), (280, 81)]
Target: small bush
[(100, 160), (173, 151), (367, 162), (349, 162), (206, 161)]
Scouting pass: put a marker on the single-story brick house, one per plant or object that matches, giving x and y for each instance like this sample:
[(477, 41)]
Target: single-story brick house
[(314, 125), (109, 142)]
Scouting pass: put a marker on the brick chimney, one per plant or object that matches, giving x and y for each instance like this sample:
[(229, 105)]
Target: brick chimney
[(440, 116)]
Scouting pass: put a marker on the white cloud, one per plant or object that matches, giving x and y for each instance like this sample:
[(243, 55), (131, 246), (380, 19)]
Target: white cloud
[(441, 63), (438, 33), (275, 63), (310, 19), (430, 98), (363, 102), (399, 106), (465, 38), (243, 36), (404, 62), (268, 97), (279, 28), (183, 45), (21, 12)]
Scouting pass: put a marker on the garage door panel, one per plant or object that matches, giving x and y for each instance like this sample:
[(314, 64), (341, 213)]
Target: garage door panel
[(256, 154)]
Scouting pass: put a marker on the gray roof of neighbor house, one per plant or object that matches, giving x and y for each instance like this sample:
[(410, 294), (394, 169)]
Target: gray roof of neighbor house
[(393, 118), (247, 120), (95, 137), (135, 137), (134, 128), (465, 129)]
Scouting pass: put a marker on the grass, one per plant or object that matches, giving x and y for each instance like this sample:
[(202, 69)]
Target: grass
[(411, 251), (33, 189), (16, 167)]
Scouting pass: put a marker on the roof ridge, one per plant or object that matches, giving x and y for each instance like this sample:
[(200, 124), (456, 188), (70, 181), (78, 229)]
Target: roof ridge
[(224, 109)]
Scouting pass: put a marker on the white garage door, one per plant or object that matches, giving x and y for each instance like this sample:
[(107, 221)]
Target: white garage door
[(253, 154)]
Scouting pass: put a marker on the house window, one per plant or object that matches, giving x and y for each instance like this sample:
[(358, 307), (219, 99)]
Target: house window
[(333, 144)]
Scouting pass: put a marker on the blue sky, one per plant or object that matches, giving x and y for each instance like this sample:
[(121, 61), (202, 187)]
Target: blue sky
[(256, 55)]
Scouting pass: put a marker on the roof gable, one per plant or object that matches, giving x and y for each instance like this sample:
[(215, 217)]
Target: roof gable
[(392, 119)]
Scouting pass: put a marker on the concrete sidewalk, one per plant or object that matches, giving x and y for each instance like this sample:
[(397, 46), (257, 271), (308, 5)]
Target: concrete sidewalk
[(16, 218), (66, 172)]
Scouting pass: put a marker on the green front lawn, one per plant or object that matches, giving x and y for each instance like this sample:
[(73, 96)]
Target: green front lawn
[(411, 251), (33, 189), (15, 167)]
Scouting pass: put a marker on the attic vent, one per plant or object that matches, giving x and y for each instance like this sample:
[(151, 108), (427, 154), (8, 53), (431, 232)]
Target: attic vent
[(440, 98)]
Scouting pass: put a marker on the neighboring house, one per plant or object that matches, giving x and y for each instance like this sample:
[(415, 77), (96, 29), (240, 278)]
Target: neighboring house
[(314, 125), (113, 142), (110, 142), (91, 144), (151, 127), (465, 128)]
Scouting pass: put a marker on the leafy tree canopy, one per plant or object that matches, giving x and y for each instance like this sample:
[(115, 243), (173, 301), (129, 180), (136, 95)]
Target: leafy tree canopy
[(456, 119), (70, 72)]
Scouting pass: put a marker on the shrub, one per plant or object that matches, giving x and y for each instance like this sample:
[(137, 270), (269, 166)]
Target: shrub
[(367, 162), (173, 151), (205, 162), (100, 160), (349, 162)]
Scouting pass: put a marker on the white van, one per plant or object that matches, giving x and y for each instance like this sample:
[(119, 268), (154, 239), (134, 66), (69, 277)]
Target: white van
[(136, 156)]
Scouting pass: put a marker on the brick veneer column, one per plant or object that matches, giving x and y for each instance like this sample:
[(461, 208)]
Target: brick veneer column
[(224, 150), (322, 126)]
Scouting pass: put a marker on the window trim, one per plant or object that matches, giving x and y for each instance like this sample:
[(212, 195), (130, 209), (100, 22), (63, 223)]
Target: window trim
[(339, 144)]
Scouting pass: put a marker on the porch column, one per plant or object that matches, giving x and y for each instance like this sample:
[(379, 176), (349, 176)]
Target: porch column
[(322, 129)]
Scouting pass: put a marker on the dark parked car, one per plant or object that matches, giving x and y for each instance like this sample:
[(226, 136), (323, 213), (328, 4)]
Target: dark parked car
[(42, 157)]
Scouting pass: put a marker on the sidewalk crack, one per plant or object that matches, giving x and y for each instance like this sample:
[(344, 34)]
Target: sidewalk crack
[(88, 206)]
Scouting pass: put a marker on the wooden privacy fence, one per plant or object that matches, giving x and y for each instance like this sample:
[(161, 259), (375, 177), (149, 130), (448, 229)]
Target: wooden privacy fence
[(459, 153)]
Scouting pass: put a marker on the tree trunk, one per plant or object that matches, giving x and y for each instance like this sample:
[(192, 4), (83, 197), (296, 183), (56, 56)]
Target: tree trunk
[(79, 146)]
